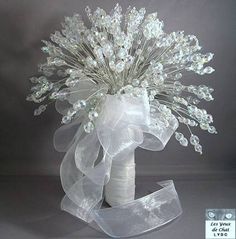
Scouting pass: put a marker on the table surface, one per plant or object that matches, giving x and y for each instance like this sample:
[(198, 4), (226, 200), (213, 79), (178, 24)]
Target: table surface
[(30, 209)]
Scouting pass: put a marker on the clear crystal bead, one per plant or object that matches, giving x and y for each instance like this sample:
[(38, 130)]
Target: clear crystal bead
[(209, 56), (196, 101), (40, 109), (112, 65), (178, 76), (208, 70), (89, 127), (194, 139), (144, 84), (198, 148), (93, 115), (183, 142), (153, 92), (90, 62), (79, 105), (192, 123), (178, 136), (119, 66), (152, 29), (151, 97), (107, 50), (66, 119), (122, 53), (204, 126), (212, 130), (135, 82)]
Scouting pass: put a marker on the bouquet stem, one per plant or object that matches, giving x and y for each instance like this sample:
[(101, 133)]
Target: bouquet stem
[(121, 187)]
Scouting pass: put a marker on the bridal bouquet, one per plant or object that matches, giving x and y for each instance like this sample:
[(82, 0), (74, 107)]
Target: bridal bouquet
[(117, 84)]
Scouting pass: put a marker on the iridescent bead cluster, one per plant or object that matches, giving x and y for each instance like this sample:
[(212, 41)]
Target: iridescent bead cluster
[(123, 53)]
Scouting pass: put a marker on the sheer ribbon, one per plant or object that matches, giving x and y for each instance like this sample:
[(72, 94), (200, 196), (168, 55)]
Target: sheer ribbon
[(125, 123)]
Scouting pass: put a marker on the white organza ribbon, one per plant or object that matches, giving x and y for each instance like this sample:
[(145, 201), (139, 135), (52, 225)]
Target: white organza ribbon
[(125, 123)]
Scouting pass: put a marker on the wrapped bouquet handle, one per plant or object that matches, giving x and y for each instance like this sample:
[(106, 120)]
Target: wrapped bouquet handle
[(117, 86), (120, 188)]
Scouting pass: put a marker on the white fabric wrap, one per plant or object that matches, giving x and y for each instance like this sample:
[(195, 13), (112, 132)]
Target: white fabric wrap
[(120, 188), (125, 123)]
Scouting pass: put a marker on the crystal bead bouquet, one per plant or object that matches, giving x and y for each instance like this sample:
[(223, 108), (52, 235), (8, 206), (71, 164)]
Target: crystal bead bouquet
[(117, 86)]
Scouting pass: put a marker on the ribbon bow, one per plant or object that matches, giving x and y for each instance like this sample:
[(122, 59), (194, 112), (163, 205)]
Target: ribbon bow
[(125, 123)]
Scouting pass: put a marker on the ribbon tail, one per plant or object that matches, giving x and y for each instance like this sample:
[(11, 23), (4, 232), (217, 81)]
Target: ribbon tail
[(141, 215), (83, 179)]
